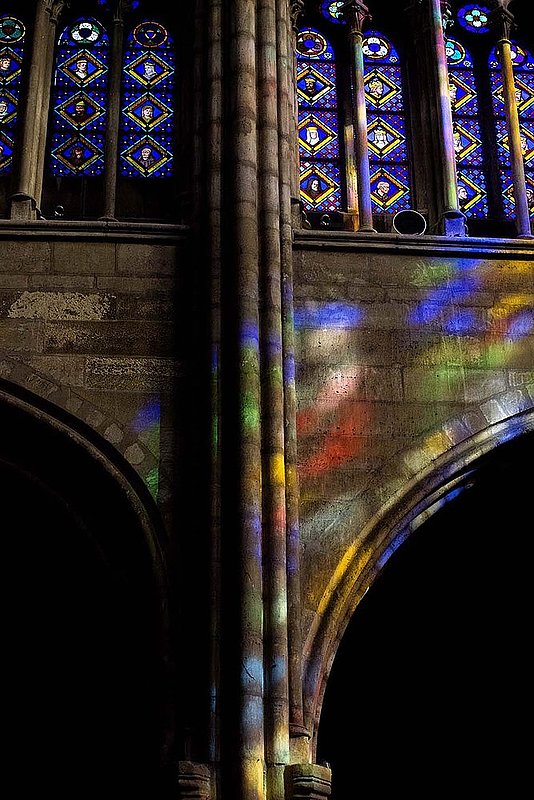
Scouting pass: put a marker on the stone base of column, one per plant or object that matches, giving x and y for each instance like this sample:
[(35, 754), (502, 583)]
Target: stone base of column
[(194, 781), (24, 207), (453, 223), (351, 220), (307, 782)]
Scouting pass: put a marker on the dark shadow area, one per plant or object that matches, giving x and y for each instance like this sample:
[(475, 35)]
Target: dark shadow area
[(83, 678), (430, 688)]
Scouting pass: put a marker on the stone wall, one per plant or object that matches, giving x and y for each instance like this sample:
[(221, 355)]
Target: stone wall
[(87, 320), (406, 349)]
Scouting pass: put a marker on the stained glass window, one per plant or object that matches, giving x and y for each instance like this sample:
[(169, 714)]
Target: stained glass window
[(523, 65), (475, 18), (333, 11), (318, 127), (386, 125), (80, 99), (12, 35), (471, 177), (147, 118)]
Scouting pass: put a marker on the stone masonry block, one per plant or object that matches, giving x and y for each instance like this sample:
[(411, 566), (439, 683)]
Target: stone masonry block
[(20, 257), (83, 258)]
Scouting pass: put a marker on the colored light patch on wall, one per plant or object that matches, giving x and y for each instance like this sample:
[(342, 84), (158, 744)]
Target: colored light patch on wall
[(328, 315)]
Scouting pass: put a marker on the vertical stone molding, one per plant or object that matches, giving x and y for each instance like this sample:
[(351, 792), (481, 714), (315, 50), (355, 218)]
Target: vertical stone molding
[(452, 220), (504, 21), (194, 781), (25, 201), (296, 9), (356, 14), (308, 782), (113, 117)]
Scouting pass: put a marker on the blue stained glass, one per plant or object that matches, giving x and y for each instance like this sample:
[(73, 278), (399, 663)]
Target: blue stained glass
[(472, 192), (523, 66), (471, 182), (318, 130), (386, 131), (390, 187), (147, 118), (80, 101), (317, 87), (332, 10), (474, 18), (12, 35), (320, 187)]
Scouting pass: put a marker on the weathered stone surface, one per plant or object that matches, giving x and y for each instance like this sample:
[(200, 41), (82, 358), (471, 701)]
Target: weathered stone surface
[(21, 336), (60, 306), (110, 337), (24, 257), (73, 258), (131, 374), (146, 259)]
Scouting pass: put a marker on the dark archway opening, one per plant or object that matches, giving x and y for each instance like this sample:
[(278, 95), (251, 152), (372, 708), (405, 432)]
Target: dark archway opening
[(431, 682), (84, 679)]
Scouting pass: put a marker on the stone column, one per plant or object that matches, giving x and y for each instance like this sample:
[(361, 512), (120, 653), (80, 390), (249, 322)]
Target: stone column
[(26, 200), (356, 14), (289, 185), (451, 219), (503, 19), (241, 536), (272, 384), (296, 8), (113, 115)]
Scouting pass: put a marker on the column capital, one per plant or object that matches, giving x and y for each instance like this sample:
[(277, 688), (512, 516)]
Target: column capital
[(55, 7), (447, 19), (296, 9), (356, 13), (120, 9), (502, 19)]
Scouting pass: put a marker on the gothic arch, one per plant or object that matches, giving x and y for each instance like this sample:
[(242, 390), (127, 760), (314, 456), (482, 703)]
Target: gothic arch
[(87, 605), (130, 446), (507, 417)]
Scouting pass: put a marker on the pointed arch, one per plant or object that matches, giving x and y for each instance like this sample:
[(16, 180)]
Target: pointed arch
[(387, 529), (89, 601)]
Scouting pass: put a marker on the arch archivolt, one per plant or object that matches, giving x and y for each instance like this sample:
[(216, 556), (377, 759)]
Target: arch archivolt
[(127, 443), (404, 494)]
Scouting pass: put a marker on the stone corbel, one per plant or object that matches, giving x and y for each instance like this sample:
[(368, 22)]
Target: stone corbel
[(54, 8), (307, 782), (194, 781)]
